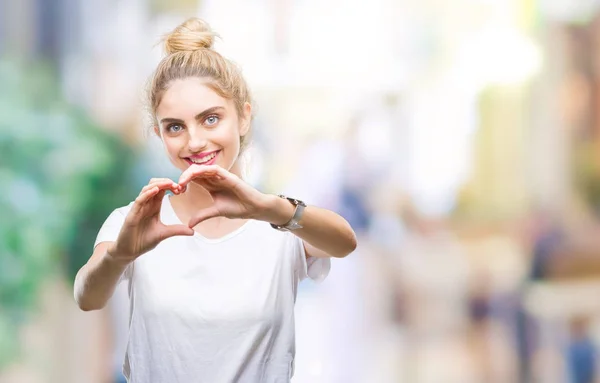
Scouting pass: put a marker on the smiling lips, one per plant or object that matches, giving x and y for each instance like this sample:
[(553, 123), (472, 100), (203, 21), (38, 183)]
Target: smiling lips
[(203, 159)]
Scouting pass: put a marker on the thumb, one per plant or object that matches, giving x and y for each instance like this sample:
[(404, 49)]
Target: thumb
[(169, 231), (203, 215)]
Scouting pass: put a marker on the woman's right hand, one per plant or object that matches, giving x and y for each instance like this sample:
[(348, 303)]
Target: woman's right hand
[(142, 230)]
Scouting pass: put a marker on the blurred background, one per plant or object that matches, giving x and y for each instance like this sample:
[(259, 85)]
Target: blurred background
[(460, 138)]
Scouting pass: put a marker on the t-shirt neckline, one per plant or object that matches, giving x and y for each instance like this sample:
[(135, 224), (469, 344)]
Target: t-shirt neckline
[(176, 220)]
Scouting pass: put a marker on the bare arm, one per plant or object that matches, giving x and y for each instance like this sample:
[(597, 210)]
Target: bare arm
[(97, 279), (141, 232), (325, 233)]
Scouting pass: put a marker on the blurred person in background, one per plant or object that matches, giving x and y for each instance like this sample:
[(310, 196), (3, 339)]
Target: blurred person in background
[(565, 259), (581, 351), (545, 236), (212, 299)]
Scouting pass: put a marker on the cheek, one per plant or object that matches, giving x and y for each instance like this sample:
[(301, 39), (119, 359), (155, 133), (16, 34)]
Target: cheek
[(172, 146), (228, 136)]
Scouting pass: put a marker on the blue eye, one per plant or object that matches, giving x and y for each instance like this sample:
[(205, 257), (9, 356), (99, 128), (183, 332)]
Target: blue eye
[(212, 120), (174, 128)]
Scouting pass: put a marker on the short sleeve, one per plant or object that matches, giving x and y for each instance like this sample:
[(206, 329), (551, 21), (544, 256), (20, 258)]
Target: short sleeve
[(314, 268), (109, 232)]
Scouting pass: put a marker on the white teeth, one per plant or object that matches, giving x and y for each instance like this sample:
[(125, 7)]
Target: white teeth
[(203, 159)]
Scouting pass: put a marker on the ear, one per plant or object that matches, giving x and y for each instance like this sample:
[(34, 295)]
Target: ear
[(246, 119), (157, 130)]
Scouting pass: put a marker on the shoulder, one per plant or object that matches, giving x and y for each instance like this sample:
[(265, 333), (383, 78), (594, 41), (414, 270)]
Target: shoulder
[(119, 213), (124, 210), (117, 216), (112, 225)]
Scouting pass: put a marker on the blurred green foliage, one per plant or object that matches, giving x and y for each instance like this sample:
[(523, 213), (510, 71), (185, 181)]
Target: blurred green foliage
[(61, 176)]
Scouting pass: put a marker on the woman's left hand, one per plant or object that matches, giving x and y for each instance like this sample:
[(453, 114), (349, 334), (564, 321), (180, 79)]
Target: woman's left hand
[(233, 198)]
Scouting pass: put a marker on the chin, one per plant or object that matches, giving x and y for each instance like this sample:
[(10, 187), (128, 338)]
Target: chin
[(181, 165)]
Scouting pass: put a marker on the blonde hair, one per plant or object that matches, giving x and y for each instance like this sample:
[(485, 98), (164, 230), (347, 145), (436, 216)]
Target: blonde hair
[(189, 53)]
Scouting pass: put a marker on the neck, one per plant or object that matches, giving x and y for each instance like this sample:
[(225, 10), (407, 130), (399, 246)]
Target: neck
[(194, 198)]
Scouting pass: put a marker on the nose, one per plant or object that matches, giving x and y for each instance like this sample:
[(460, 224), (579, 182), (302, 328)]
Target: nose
[(197, 140)]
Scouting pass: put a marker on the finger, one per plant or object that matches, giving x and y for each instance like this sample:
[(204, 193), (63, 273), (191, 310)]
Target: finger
[(209, 180), (176, 188), (169, 231), (159, 180), (153, 180), (203, 215), (196, 171), (163, 184), (159, 183), (144, 197), (207, 183), (160, 195), (220, 174), (187, 174)]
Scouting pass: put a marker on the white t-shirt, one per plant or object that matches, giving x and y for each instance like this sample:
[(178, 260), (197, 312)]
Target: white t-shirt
[(214, 310)]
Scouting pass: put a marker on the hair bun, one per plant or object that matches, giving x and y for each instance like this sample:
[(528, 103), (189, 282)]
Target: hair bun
[(192, 35)]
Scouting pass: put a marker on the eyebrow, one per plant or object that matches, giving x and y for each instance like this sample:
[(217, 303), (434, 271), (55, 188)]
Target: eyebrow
[(169, 120)]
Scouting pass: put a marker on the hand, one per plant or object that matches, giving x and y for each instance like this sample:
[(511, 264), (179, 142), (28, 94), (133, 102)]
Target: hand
[(233, 198), (143, 230)]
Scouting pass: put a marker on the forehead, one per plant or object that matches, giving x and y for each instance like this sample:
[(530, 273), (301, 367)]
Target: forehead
[(187, 97)]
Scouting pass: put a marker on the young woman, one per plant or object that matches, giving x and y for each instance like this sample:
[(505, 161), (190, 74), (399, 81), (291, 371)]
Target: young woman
[(212, 267)]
